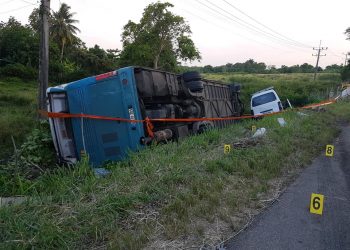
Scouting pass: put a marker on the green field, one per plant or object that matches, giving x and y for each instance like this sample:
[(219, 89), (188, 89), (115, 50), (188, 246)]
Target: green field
[(17, 109), (299, 88), (166, 192), (18, 98)]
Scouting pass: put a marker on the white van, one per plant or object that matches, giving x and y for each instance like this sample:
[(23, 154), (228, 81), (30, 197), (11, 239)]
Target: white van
[(265, 101)]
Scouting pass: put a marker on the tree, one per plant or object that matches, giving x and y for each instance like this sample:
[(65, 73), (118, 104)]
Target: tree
[(62, 28), (159, 40), (345, 72), (284, 69), (347, 32), (333, 68), (34, 20), (18, 43), (271, 69), (96, 60), (306, 68), (208, 69)]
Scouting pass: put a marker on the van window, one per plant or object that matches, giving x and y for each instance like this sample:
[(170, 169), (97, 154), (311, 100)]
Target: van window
[(262, 99)]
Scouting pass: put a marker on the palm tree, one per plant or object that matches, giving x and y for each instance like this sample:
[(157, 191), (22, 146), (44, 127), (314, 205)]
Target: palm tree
[(347, 32), (62, 27)]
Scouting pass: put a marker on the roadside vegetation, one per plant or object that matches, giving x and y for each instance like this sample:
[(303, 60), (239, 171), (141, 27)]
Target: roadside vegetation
[(186, 193), (17, 109), (176, 193), (168, 191), (299, 88), (18, 99)]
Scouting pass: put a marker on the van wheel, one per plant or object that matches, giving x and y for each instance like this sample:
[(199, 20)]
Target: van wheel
[(191, 76)]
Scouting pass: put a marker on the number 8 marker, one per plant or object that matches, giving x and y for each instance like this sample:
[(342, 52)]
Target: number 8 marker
[(329, 150)]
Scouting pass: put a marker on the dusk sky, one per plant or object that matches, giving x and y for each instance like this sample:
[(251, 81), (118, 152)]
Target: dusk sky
[(284, 33)]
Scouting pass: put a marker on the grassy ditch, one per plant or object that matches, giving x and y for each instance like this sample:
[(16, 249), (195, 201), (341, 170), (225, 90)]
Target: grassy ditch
[(18, 99), (17, 109), (299, 88), (170, 193)]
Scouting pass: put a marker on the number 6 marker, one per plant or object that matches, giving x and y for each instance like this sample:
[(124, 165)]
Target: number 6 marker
[(316, 204)]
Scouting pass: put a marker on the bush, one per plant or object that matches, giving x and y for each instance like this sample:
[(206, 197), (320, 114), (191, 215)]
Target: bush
[(38, 148), (300, 89), (55, 72), (19, 70), (35, 155), (65, 72), (345, 73)]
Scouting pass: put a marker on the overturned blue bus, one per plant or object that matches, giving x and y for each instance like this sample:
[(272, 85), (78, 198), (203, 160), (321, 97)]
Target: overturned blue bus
[(134, 93)]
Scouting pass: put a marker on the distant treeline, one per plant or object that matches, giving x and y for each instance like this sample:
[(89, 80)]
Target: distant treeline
[(250, 66), (71, 59)]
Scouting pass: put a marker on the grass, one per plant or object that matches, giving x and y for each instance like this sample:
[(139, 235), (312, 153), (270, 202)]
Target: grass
[(17, 109), (299, 88), (18, 99), (163, 193)]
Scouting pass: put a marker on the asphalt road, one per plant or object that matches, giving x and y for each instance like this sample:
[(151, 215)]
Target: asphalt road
[(288, 224)]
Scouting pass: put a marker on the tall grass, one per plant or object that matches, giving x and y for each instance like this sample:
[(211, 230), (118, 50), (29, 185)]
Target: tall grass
[(17, 109), (299, 88), (164, 192)]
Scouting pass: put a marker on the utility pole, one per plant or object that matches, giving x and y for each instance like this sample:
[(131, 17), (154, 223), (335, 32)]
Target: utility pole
[(319, 49), (346, 58), (43, 53)]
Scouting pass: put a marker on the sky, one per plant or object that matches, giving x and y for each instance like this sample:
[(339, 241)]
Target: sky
[(225, 31)]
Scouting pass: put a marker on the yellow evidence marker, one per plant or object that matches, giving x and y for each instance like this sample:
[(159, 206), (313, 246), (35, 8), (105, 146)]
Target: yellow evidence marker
[(329, 150), (316, 204), (253, 128), (227, 148)]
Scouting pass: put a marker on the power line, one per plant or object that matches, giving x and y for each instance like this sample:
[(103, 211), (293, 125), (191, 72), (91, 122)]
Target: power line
[(334, 54), (205, 20), (253, 27), (217, 14), (338, 55), (8, 11), (250, 17), (247, 25), (207, 12), (7, 2), (29, 2)]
